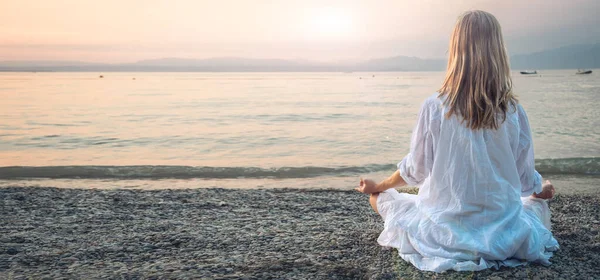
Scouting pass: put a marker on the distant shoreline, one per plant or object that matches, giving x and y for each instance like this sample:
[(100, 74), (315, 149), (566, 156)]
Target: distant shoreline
[(241, 71)]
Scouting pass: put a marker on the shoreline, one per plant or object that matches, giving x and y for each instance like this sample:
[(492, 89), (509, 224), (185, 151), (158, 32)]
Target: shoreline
[(239, 233), (564, 183)]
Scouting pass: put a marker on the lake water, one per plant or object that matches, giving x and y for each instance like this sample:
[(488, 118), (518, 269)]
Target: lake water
[(172, 130)]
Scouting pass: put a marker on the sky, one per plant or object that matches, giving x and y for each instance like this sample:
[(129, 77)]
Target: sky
[(118, 31)]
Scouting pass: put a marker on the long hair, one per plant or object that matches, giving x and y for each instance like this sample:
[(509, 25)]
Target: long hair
[(478, 86)]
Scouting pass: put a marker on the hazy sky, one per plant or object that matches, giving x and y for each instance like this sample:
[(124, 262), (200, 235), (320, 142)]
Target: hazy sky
[(131, 30)]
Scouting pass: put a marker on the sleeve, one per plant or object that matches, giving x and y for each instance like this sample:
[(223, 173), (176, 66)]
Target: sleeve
[(531, 180), (417, 165)]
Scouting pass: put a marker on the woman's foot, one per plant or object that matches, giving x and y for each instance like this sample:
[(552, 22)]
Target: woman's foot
[(547, 191)]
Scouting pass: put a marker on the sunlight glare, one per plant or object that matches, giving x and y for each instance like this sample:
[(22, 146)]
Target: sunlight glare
[(331, 22)]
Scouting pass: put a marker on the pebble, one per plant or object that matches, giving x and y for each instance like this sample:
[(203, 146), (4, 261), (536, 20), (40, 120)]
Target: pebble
[(239, 234), (12, 251)]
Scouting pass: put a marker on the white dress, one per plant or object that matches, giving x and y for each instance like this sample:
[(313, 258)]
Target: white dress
[(473, 209)]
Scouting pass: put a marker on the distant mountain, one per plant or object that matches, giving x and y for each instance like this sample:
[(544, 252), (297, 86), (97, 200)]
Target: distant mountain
[(576, 56), (402, 63), (229, 64), (569, 57), (15, 64), (44, 63), (398, 63), (49, 65), (221, 61)]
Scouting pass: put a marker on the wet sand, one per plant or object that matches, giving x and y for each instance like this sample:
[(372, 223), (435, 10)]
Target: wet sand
[(253, 234)]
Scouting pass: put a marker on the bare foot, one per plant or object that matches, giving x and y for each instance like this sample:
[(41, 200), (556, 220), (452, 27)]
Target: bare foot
[(547, 191)]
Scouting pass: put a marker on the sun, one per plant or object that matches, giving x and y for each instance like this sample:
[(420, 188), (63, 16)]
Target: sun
[(331, 22)]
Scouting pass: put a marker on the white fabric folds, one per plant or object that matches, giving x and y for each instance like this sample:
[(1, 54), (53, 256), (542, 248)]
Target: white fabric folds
[(469, 213)]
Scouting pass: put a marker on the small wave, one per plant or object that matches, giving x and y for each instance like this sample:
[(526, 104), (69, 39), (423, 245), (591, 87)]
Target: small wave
[(179, 172), (588, 166)]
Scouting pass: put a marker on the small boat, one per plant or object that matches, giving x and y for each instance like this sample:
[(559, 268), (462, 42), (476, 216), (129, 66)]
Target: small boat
[(583, 71), (529, 72)]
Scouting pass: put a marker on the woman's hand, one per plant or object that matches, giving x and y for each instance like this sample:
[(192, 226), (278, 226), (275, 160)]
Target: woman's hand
[(367, 186), (547, 191)]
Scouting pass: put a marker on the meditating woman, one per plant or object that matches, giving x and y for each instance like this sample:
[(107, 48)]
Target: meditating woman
[(481, 203)]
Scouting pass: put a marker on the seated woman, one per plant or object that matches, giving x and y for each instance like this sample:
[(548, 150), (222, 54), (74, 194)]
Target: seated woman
[(481, 202)]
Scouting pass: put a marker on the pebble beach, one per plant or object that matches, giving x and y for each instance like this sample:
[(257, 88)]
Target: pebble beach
[(50, 233)]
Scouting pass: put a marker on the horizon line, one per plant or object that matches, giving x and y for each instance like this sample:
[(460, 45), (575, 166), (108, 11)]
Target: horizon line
[(302, 60)]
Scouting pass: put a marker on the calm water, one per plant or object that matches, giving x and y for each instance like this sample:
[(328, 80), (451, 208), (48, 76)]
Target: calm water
[(272, 129)]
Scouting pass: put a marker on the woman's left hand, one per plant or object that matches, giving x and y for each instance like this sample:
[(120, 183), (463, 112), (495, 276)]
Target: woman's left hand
[(367, 186)]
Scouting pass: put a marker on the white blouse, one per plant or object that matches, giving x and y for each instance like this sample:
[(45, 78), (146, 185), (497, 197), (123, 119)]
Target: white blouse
[(468, 214)]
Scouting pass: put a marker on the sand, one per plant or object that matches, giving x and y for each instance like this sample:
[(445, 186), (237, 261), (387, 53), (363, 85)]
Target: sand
[(232, 234)]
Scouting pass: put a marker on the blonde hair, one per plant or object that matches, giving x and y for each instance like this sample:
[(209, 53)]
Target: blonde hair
[(478, 86)]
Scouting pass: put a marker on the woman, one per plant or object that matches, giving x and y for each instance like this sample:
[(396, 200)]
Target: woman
[(481, 203)]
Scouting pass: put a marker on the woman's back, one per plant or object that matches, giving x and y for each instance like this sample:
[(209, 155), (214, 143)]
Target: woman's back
[(468, 214), (473, 189), (470, 166)]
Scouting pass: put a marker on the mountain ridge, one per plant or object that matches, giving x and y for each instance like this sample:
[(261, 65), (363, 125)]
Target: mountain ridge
[(568, 57)]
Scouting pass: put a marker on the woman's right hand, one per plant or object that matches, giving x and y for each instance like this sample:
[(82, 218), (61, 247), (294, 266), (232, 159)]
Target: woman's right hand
[(547, 191)]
